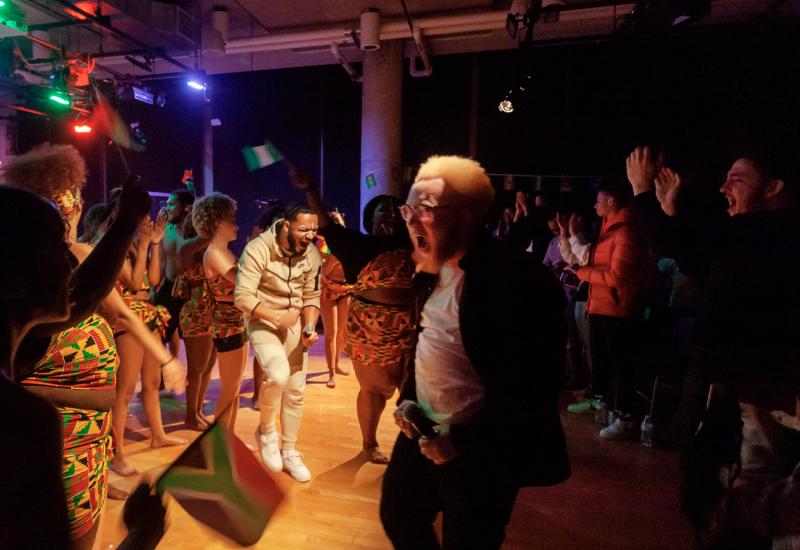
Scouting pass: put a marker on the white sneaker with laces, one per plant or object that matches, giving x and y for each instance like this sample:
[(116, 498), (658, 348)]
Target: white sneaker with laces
[(293, 463), (620, 429), (268, 448)]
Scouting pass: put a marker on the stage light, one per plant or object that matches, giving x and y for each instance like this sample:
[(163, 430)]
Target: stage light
[(196, 84), (61, 98), (506, 104), (82, 129)]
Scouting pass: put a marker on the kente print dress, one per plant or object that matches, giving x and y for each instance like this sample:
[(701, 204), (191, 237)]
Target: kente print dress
[(83, 357), (380, 335), (226, 319), (195, 316)]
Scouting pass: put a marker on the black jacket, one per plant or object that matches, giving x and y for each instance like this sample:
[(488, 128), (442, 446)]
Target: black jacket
[(512, 327), (745, 267)]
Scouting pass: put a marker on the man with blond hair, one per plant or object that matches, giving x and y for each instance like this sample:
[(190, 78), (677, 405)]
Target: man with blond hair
[(486, 371)]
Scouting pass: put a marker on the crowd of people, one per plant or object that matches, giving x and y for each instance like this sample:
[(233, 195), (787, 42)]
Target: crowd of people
[(478, 329)]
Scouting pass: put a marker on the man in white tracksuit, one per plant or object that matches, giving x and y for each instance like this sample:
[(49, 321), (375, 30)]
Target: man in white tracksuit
[(277, 289)]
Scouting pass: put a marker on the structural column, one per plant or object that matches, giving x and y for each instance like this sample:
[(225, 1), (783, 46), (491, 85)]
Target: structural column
[(381, 121)]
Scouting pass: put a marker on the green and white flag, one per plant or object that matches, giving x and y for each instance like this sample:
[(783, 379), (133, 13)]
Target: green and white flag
[(261, 156)]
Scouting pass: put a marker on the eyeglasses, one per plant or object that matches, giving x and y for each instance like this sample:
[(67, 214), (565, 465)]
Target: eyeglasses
[(424, 212)]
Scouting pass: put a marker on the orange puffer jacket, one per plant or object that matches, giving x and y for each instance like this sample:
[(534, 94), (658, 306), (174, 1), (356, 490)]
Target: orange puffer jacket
[(617, 267)]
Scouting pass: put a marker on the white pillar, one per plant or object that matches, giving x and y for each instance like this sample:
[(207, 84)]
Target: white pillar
[(381, 122), (208, 154)]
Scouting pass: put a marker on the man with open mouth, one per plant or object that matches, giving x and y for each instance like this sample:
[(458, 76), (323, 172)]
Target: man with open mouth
[(485, 376)]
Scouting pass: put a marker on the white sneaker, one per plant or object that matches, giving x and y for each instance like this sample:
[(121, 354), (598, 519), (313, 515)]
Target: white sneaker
[(268, 448), (293, 463), (620, 429)]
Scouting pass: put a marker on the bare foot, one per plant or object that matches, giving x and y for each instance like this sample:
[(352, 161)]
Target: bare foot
[(331, 382), (116, 494), (375, 456), (167, 441), (343, 372), (196, 423), (121, 467)]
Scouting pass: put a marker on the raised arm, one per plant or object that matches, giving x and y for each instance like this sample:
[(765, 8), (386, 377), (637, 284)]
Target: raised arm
[(95, 277)]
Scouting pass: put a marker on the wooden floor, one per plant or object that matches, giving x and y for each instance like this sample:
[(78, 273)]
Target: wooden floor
[(620, 496)]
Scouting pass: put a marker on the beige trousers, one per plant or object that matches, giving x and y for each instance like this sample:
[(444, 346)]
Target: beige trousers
[(285, 363)]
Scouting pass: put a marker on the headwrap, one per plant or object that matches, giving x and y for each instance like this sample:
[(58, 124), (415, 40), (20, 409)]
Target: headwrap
[(67, 201)]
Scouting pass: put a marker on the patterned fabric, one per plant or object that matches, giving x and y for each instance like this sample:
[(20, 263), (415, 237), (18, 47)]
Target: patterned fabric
[(195, 316), (381, 335), (226, 319), (82, 357), (88, 450), (334, 285), (155, 317)]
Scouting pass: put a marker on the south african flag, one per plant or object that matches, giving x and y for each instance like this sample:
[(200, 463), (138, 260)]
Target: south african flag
[(220, 483)]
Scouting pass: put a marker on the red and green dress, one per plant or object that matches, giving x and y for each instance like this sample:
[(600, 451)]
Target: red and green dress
[(84, 358)]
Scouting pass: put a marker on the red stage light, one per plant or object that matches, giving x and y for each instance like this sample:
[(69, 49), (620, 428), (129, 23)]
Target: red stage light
[(82, 129)]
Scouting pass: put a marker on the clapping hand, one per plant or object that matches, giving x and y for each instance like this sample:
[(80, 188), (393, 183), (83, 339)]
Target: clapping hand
[(668, 185), (564, 225), (159, 227), (642, 168)]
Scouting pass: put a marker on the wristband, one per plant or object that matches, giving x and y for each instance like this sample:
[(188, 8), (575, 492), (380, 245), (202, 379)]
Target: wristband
[(170, 360)]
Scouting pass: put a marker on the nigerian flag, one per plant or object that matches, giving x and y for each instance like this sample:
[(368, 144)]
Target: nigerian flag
[(261, 156)]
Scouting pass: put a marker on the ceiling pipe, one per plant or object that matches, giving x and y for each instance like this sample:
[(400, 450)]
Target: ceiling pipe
[(101, 21), (422, 54), (346, 65), (397, 29)]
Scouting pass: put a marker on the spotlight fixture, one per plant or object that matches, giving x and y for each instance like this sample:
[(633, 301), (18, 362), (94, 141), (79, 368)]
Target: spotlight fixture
[(518, 95), (506, 104), (196, 84), (82, 129)]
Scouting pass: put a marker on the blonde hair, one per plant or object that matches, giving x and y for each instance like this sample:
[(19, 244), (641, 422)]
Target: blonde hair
[(209, 211), (464, 178), (47, 170)]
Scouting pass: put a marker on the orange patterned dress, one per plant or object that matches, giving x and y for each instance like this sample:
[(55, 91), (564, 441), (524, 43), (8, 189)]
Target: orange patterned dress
[(196, 312), (380, 335)]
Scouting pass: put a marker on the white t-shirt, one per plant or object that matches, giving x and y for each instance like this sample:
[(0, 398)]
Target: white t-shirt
[(449, 389)]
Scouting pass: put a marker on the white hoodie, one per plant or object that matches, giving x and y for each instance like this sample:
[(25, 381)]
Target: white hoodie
[(279, 280)]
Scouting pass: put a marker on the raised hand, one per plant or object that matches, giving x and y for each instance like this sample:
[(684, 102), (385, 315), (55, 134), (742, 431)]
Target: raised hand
[(668, 185), (642, 168), (134, 201), (159, 227), (564, 224), (146, 231), (299, 178), (573, 224)]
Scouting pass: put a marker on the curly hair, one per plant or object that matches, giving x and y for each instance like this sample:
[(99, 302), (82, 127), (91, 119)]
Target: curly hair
[(209, 211), (47, 170)]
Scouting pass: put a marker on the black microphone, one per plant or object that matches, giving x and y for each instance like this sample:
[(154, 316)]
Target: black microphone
[(414, 415)]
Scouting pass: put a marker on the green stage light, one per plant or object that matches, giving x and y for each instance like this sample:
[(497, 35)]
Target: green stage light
[(61, 98)]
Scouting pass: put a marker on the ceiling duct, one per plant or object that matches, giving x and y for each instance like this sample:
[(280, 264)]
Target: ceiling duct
[(216, 36)]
